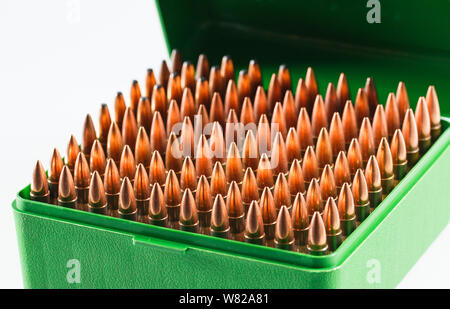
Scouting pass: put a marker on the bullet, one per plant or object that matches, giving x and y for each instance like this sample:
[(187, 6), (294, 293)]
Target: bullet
[(187, 138), (173, 116), (187, 107), (188, 177), (119, 109), (269, 214), (150, 82), (361, 196), (216, 81), (204, 203), (279, 160), (157, 172), (380, 128), (384, 159), (311, 85), (217, 143), (317, 236), (372, 95), (243, 86), (172, 197), (281, 193), (278, 123), (318, 117), (176, 61), (174, 90), (218, 181), (402, 100), (410, 134), (163, 77), (337, 136), (254, 228), (342, 171), (39, 185), (216, 113), (233, 129), (72, 152), (203, 114), (349, 123), (284, 235), (263, 135), (247, 114), (157, 212), (398, 151), (67, 196), (159, 101), (135, 96), (327, 184), (112, 187), (129, 128), (234, 170), (56, 165), (342, 92), (144, 115), (249, 190), (188, 213), (97, 197), (202, 67), (104, 124), (366, 140), (127, 167), (158, 134), (227, 69), (236, 212), (203, 163), (127, 201), (142, 193), (324, 151), (373, 178), (114, 144), (273, 92), (174, 158), (293, 147), (260, 104), (302, 96), (264, 175), (332, 224), (434, 111), (188, 76), (392, 115), (81, 178), (300, 220), (331, 103), (89, 136), (423, 125), (220, 226), (231, 98), (254, 73), (310, 167), (289, 110), (296, 181), (362, 109), (304, 130), (346, 207), (250, 156), (314, 197), (202, 95), (354, 157), (284, 79), (98, 159)]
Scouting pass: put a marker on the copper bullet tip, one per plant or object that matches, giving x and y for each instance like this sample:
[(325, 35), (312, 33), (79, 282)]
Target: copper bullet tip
[(264, 176), (129, 128), (278, 122), (227, 69), (260, 104), (89, 136), (342, 92), (234, 171), (398, 148), (56, 166), (380, 127), (187, 107), (392, 114), (342, 170), (72, 152), (66, 189), (243, 86), (250, 156), (319, 117), (331, 218), (174, 158), (279, 160), (349, 122), (249, 187), (127, 200), (97, 197), (300, 218), (119, 109), (247, 114), (254, 228), (188, 210), (289, 110), (141, 183), (327, 183), (188, 75), (216, 112), (150, 82), (284, 234), (188, 177), (82, 173), (346, 204), (311, 85), (39, 183), (362, 109), (354, 156), (360, 190), (434, 110), (310, 166), (254, 72), (366, 140), (423, 120), (304, 130), (127, 166), (157, 172), (202, 67), (274, 92), (324, 151), (284, 79), (174, 90), (135, 96), (172, 191), (281, 193), (176, 61), (384, 159), (163, 77), (114, 144), (202, 95), (263, 135), (372, 95), (234, 201), (314, 197), (219, 215), (203, 195), (218, 180), (402, 100), (231, 98), (144, 114), (331, 102), (410, 133), (158, 134), (337, 136), (216, 81), (112, 178), (293, 147), (173, 116), (373, 174), (317, 236), (104, 124), (159, 100), (302, 96), (296, 181), (157, 206), (267, 206), (97, 159), (203, 163)]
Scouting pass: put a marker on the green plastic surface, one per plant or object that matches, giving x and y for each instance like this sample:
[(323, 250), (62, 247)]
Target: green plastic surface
[(116, 253)]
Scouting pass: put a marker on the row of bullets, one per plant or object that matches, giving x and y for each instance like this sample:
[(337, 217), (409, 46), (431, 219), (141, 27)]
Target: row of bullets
[(302, 181)]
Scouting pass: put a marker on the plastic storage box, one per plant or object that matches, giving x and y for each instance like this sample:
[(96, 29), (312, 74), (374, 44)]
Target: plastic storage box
[(412, 44)]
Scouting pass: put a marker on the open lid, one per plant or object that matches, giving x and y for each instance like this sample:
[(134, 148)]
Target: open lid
[(411, 44)]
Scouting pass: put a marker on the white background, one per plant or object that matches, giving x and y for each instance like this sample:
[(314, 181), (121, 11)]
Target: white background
[(60, 59)]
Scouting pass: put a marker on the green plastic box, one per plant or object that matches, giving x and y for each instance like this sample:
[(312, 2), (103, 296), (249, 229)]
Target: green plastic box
[(66, 248)]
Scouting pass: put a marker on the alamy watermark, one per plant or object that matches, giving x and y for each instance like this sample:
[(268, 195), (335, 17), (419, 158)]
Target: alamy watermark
[(374, 14), (74, 271)]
